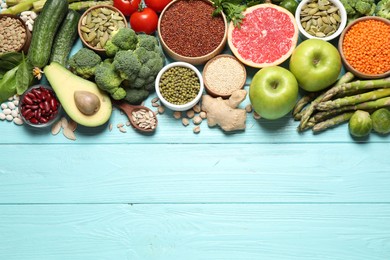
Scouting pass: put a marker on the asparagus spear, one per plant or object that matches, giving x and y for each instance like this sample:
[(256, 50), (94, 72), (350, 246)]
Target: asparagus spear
[(347, 77), (302, 103), (82, 5), (18, 8), (357, 85), (332, 122), (352, 100)]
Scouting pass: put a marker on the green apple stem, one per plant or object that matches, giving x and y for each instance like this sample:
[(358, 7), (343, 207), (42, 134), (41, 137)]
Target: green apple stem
[(353, 100), (357, 85), (332, 122), (347, 77)]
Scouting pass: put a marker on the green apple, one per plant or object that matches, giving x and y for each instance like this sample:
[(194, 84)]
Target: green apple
[(316, 64), (273, 92)]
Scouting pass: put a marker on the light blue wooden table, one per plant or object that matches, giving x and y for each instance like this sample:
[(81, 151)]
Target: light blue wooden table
[(268, 193)]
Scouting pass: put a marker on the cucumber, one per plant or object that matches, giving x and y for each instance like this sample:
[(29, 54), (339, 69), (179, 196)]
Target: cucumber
[(63, 42), (45, 29)]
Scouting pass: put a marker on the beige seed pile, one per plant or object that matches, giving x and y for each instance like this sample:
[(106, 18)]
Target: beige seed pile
[(144, 119), (224, 75), (68, 128), (12, 34)]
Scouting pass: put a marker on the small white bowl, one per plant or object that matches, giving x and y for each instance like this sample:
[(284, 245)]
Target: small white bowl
[(306, 35), (188, 105)]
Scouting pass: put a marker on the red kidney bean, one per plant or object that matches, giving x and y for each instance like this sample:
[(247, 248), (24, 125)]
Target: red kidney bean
[(34, 121), (53, 104), (28, 100), (43, 120), (47, 106)]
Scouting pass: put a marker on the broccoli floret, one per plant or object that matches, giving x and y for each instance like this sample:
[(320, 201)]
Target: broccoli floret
[(349, 7), (108, 79), (136, 96), (127, 64), (84, 63), (123, 39), (365, 7), (383, 9)]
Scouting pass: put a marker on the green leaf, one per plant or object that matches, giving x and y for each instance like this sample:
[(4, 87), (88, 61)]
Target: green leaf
[(10, 60), (8, 85), (24, 77)]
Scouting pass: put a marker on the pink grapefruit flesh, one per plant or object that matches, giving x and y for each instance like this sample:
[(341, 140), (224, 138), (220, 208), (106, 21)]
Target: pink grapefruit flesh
[(267, 36)]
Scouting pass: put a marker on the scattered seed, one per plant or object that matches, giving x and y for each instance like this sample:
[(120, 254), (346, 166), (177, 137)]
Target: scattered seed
[(190, 113), (110, 127), (161, 110), (197, 108), (123, 130), (72, 125), (120, 125), (56, 128), (197, 120), (185, 121), (203, 115), (256, 116), (155, 100), (196, 129), (248, 108), (177, 114), (68, 133)]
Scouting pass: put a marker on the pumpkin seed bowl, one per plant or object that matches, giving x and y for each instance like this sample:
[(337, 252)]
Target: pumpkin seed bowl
[(320, 19), (97, 24)]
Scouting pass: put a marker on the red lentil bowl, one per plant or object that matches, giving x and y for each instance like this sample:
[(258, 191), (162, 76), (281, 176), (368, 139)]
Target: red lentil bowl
[(188, 32), (364, 47)]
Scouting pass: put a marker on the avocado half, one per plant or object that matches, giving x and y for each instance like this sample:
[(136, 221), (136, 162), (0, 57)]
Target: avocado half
[(65, 84)]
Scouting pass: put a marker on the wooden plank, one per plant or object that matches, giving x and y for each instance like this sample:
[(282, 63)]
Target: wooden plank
[(283, 232), (194, 173)]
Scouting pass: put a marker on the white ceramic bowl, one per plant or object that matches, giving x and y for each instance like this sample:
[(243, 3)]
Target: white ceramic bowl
[(306, 35), (190, 104)]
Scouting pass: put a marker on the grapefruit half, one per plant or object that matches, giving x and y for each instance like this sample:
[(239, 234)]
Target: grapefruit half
[(267, 36)]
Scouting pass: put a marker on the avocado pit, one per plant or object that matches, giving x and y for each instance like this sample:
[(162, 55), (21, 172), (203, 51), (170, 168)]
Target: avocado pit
[(87, 102)]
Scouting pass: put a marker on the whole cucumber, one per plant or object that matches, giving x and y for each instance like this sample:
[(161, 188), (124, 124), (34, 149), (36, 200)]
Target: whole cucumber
[(45, 29), (63, 42)]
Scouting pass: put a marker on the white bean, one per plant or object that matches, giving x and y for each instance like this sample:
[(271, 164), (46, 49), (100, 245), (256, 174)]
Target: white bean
[(7, 111), (14, 113), (18, 121), (2, 116), (9, 117), (16, 97), (33, 15), (16, 102), (4, 6), (11, 105), (4, 106), (29, 26), (30, 21)]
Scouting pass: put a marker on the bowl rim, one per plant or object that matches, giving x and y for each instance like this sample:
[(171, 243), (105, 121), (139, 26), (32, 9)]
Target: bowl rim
[(346, 63), (102, 50), (192, 60), (209, 89), (27, 42), (59, 109), (189, 104), (339, 30)]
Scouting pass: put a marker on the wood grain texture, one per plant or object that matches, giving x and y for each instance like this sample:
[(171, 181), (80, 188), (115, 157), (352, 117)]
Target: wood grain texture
[(267, 232), (194, 173)]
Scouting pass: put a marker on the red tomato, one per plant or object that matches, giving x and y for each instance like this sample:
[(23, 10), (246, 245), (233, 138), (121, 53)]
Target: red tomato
[(127, 7), (157, 5), (144, 20)]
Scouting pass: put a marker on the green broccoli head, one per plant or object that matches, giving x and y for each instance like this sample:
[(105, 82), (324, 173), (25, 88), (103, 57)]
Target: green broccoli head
[(123, 39), (136, 96), (365, 7), (107, 79), (146, 41), (84, 63), (383, 9), (127, 65)]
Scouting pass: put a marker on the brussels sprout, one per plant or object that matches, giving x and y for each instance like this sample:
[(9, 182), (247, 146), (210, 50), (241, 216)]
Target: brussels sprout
[(381, 121), (360, 124)]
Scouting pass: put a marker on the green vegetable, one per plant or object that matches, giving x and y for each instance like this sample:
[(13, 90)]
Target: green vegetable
[(355, 99), (84, 63), (20, 7), (8, 84), (63, 42), (45, 29), (82, 5), (332, 122), (24, 76), (108, 79), (233, 9), (381, 121), (360, 124), (358, 8), (290, 5), (121, 40), (136, 96), (383, 9), (9, 61), (357, 85)]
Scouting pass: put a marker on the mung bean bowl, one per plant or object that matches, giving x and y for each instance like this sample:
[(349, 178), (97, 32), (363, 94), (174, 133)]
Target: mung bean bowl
[(97, 24), (179, 86), (321, 19), (188, 32), (14, 34)]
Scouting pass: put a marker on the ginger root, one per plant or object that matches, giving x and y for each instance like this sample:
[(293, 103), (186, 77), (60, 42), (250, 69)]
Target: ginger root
[(225, 112)]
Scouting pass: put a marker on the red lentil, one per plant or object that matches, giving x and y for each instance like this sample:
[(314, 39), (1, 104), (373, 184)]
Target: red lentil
[(189, 29), (366, 47)]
